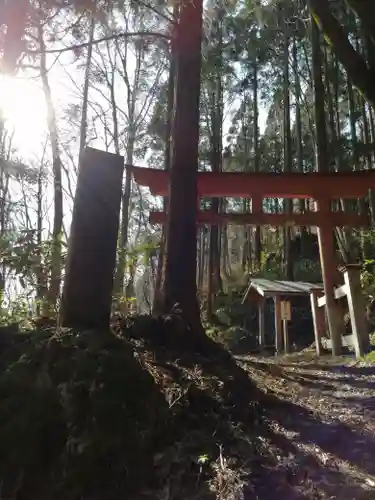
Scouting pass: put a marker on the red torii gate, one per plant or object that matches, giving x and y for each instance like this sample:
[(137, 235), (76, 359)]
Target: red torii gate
[(322, 187), (315, 185)]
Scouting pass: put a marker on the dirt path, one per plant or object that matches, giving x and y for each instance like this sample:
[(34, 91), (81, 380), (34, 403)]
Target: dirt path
[(321, 436)]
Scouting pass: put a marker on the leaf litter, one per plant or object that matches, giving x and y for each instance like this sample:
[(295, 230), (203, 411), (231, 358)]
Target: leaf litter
[(148, 412)]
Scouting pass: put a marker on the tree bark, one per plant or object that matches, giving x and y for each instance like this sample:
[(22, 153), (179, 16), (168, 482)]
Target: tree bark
[(41, 282), (288, 203), (325, 232), (365, 10), (158, 299), (360, 74), (55, 278), (132, 92), (86, 87), (297, 85), (257, 231), (180, 265), (214, 277)]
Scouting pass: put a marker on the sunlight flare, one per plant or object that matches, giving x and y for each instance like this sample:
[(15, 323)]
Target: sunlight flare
[(23, 107)]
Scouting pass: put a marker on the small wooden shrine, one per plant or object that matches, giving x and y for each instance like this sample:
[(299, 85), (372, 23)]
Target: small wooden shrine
[(260, 290), (323, 188)]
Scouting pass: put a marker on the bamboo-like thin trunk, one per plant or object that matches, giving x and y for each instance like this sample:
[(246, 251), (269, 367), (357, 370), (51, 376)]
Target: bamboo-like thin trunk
[(297, 84), (86, 87), (214, 277), (289, 265), (55, 278), (257, 231), (41, 285), (131, 140)]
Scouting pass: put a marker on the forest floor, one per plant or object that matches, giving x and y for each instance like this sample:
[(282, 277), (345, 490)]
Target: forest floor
[(321, 427), (151, 412)]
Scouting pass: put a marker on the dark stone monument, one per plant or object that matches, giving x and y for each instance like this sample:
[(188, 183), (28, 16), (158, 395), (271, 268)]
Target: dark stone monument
[(87, 293)]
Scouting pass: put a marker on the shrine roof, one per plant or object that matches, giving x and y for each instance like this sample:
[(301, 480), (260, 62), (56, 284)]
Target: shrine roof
[(262, 184), (273, 288)]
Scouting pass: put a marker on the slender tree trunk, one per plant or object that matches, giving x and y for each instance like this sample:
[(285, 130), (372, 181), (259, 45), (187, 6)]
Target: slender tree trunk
[(297, 84), (201, 260), (366, 132), (131, 140), (167, 164), (362, 205), (372, 128), (4, 187), (343, 235), (214, 277), (289, 264), (125, 214), (41, 285), (86, 87), (246, 250), (226, 262), (55, 281), (257, 231), (331, 118)]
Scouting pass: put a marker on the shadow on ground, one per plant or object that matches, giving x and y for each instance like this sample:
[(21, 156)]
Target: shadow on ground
[(151, 411), (321, 427)]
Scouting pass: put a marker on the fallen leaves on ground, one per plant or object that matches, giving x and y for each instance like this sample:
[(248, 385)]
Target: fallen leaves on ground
[(321, 426)]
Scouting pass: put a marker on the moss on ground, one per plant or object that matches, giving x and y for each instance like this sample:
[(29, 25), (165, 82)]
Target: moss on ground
[(129, 414)]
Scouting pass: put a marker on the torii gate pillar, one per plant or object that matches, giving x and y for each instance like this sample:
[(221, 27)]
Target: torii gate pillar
[(329, 266)]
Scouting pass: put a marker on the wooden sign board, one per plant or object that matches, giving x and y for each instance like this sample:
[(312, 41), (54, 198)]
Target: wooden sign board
[(286, 310)]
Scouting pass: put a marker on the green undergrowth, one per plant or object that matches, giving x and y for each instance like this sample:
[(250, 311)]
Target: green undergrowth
[(234, 338), (146, 411), (370, 357)]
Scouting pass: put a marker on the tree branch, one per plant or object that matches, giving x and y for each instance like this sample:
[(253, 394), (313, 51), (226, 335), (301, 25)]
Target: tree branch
[(104, 39), (355, 65), (156, 11), (365, 10)]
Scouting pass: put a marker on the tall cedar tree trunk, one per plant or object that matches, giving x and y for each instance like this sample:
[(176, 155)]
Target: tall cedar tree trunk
[(180, 264), (362, 203), (158, 299), (55, 281), (214, 278), (325, 237), (303, 204), (257, 233), (345, 234), (288, 262), (361, 74)]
